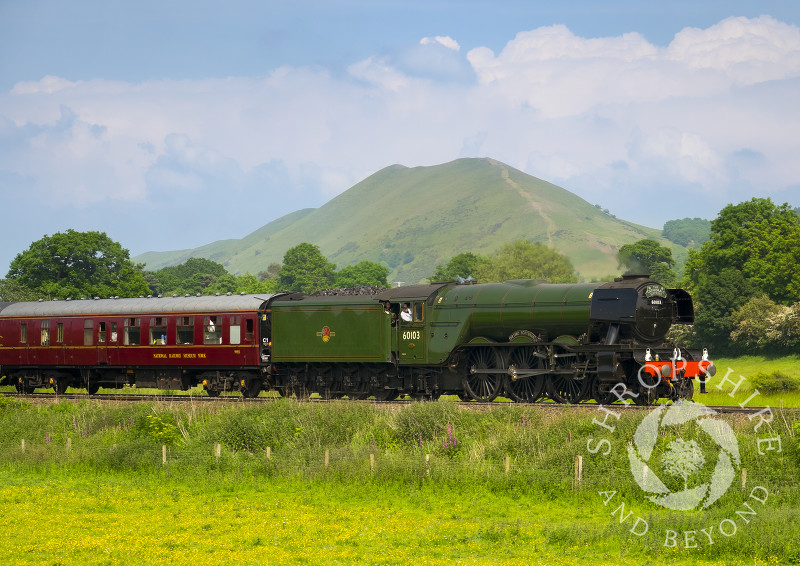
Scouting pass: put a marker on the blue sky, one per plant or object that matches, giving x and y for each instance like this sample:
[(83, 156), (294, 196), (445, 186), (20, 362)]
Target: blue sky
[(169, 125)]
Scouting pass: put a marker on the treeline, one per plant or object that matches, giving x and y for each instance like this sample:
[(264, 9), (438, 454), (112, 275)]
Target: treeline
[(85, 265), (89, 264)]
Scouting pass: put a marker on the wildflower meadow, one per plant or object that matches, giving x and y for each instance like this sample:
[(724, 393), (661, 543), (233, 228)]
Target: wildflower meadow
[(287, 482)]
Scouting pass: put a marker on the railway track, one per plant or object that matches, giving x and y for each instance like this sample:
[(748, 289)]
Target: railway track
[(238, 399)]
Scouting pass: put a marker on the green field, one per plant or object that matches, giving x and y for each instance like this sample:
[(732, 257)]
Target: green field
[(343, 483)]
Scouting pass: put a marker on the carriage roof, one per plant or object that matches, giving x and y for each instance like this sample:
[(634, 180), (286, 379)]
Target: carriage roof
[(142, 305)]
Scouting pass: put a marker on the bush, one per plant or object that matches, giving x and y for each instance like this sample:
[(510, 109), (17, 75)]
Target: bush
[(775, 382)]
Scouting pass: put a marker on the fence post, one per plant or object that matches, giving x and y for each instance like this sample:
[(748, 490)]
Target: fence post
[(744, 478), (23, 445), (163, 453), (69, 443), (372, 463), (269, 453), (578, 470), (327, 458), (217, 451), (428, 464)]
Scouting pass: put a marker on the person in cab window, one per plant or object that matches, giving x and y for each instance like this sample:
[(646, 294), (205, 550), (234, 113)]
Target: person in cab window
[(405, 314)]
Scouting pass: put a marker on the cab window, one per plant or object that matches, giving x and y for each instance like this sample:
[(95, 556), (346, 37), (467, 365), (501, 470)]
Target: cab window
[(419, 309)]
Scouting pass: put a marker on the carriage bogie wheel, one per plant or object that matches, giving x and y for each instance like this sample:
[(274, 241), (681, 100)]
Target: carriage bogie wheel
[(60, 386), (385, 394), (24, 389), (213, 392), (251, 391), (483, 386)]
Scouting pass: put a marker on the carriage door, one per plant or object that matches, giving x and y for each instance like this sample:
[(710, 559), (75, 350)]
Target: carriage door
[(412, 334)]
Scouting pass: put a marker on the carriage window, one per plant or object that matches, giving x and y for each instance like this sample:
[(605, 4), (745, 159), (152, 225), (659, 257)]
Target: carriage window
[(45, 333), (236, 329), (158, 330), (212, 330), (132, 331), (418, 312), (185, 330), (60, 337), (102, 334), (88, 329), (248, 329), (113, 331), (23, 333)]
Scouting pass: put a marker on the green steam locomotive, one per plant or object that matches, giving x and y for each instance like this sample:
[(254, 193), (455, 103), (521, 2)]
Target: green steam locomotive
[(523, 339)]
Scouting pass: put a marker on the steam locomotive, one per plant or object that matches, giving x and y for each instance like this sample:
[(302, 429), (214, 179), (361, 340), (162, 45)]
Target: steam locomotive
[(522, 339)]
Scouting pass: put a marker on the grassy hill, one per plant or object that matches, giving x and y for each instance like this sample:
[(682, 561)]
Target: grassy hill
[(412, 219)]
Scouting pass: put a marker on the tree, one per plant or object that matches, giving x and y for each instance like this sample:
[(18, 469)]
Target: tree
[(525, 260), (715, 300), (688, 232), (271, 272), (760, 239), (461, 266), (648, 256), (754, 249), (78, 264), (752, 321), (362, 273), (12, 291), (194, 275), (305, 269)]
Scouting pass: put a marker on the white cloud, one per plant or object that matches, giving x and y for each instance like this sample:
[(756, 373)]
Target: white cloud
[(746, 50), (561, 74), (48, 85), (445, 40)]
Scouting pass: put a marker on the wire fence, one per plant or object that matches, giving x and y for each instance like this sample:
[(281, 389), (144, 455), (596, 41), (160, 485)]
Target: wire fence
[(581, 472)]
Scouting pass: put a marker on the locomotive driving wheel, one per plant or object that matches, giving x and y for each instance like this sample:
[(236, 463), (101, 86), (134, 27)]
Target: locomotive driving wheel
[(483, 382), (525, 388), (567, 384)]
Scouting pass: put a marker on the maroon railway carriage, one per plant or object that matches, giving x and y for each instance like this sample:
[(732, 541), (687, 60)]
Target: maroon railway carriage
[(170, 343)]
